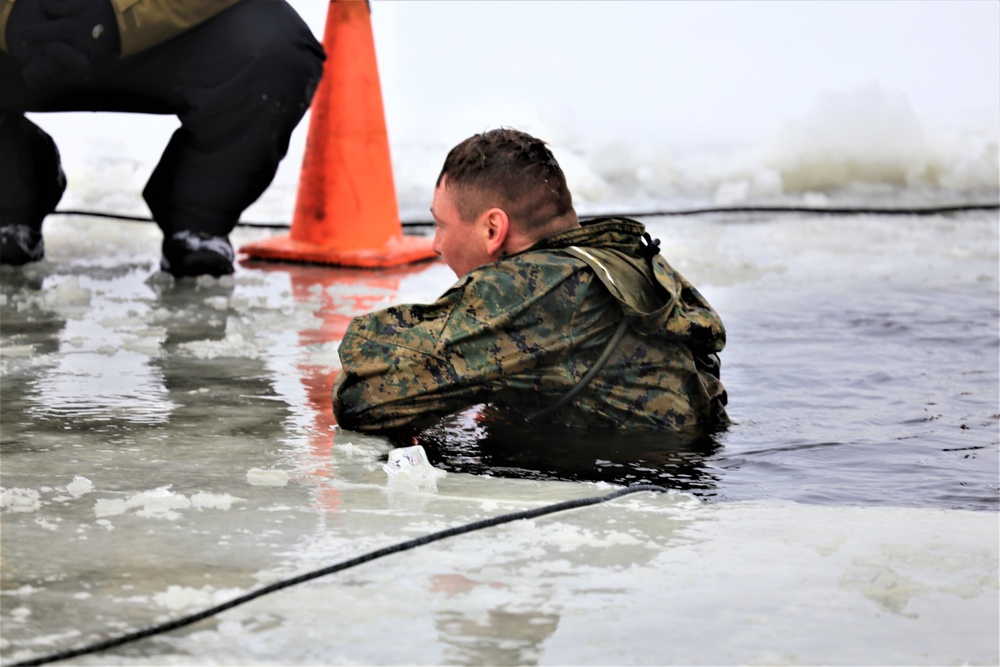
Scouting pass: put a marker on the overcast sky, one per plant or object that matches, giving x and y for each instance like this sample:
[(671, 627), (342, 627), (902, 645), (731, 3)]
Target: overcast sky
[(671, 70)]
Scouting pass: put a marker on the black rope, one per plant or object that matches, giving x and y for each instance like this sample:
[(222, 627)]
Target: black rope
[(343, 565), (146, 218), (816, 210), (820, 210)]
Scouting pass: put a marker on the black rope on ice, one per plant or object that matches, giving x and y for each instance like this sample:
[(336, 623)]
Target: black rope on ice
[(343, 565), (146, 218), (816, 210)]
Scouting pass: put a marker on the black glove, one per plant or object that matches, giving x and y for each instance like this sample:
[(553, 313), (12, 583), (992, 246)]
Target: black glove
[(59, 41)]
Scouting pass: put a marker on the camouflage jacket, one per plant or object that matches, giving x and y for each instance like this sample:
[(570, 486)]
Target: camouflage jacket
[(520, 333)]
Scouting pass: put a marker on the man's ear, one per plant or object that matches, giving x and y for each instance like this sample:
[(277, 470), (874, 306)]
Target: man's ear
[(496, 229)]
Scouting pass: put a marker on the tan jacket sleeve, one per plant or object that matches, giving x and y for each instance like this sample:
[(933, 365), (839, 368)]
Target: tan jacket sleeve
[(5, 7), (145, 23)]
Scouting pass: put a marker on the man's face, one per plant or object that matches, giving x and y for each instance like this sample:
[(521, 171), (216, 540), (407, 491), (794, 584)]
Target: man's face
[(459, 242)]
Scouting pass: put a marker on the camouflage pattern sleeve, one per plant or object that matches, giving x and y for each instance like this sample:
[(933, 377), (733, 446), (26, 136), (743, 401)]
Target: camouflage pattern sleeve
[(395, 367), (406, 363)]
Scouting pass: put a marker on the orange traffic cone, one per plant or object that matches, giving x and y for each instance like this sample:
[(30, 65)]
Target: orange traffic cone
[(346, 211)]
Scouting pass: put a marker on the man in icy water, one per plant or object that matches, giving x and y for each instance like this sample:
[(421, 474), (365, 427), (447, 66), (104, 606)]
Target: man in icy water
[(551, 320), (238, 74)]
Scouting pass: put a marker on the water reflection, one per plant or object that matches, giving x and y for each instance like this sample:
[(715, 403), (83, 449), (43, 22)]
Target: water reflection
[(496, 636), (130, 416), (476, 442), (335, 296)]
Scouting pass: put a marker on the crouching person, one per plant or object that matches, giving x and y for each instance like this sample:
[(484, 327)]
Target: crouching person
[(238, 74)]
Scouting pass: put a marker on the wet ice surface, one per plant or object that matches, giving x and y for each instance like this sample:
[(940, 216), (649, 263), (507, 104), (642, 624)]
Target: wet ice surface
[(168, 446)]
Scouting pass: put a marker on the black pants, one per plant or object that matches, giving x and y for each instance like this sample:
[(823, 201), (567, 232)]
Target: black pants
[(239, 83)]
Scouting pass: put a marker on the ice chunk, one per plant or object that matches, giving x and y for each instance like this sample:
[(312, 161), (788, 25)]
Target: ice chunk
[(47, 525), (217, 302), (207, 281), (109, 507), (20, 500), (68, 293), (17, 350), (233, 345), (159, 503), (262, 477), (217, 501), (176, 598), (20, 614), (79, 486)]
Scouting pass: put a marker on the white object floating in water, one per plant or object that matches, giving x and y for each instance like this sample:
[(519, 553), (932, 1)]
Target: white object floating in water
[(411, 462), (409, 470)]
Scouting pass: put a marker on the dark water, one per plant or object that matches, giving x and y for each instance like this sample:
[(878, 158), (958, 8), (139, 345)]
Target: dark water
[(885, 396), (467, 443), (863, 385)]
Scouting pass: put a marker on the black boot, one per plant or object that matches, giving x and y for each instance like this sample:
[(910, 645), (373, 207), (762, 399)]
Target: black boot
[(187, 253), (20, 244), (32, 183)]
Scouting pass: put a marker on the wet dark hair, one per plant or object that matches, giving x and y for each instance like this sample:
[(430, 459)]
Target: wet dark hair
[(511, 170)]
